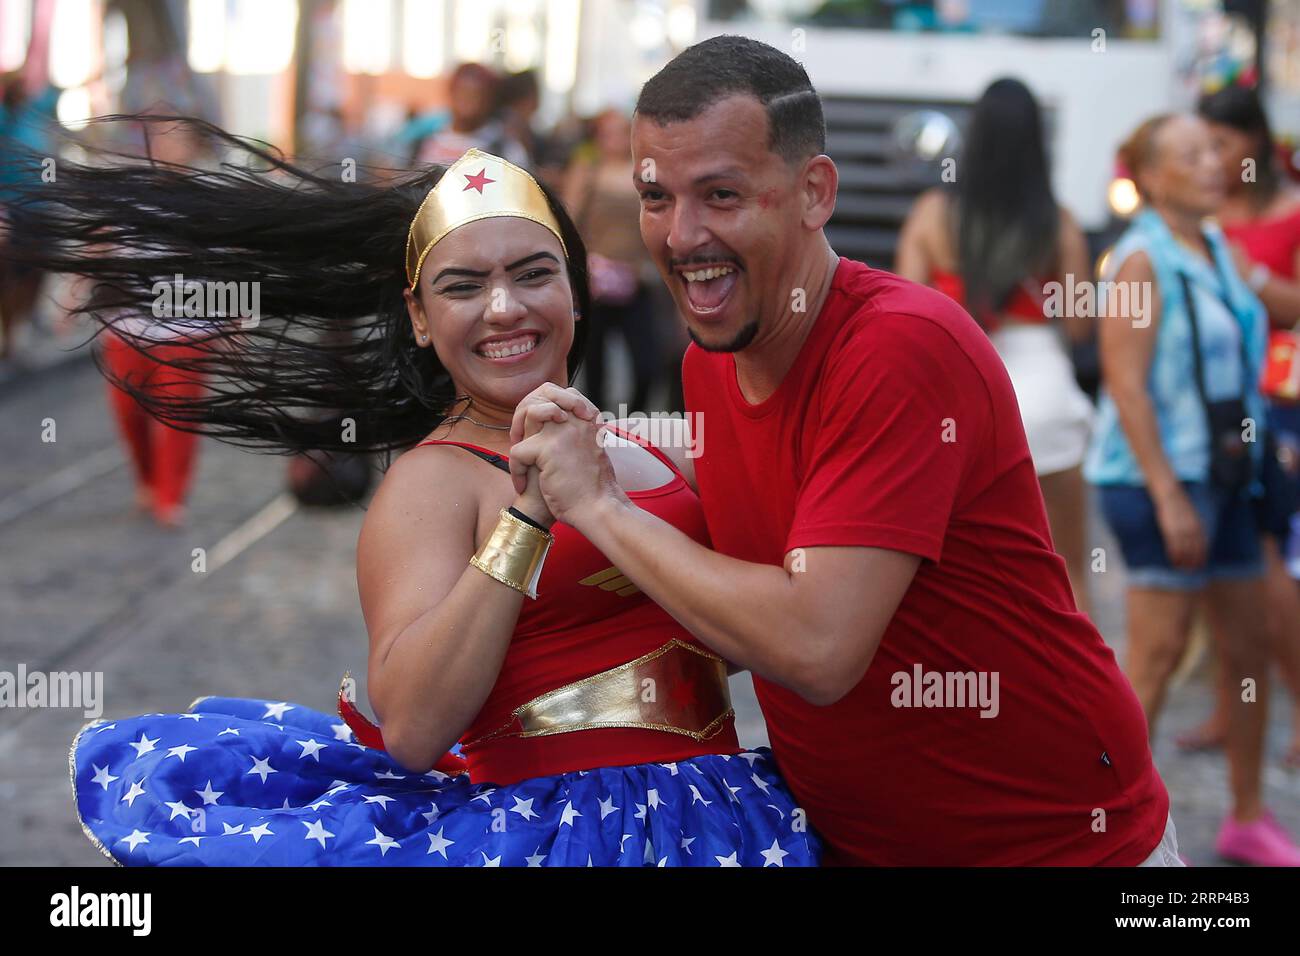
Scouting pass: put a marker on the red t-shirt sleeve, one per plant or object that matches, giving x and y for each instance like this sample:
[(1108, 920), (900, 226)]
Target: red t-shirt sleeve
[(901, 416)]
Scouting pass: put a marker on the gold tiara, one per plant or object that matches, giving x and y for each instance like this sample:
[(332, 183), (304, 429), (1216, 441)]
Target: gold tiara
[(476, 186)]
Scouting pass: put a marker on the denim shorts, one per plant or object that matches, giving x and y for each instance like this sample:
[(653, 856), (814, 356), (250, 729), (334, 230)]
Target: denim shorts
[(1231, 529)]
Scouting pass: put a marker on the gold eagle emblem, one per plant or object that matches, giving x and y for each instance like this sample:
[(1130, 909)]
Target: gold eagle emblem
[(611, 579)]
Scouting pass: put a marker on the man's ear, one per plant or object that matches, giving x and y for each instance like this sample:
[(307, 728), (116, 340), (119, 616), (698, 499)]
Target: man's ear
[(821, 181)]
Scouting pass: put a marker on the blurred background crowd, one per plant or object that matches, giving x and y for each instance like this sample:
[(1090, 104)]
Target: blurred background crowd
[(989, 148)]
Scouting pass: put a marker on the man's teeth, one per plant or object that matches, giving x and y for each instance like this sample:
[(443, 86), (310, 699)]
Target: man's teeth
[(705, 274), (496, 352)]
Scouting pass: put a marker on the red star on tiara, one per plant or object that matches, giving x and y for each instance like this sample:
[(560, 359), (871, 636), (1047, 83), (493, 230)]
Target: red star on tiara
[(477, 181)]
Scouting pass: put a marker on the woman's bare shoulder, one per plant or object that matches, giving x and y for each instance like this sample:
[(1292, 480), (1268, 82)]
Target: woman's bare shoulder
[(427, 480)]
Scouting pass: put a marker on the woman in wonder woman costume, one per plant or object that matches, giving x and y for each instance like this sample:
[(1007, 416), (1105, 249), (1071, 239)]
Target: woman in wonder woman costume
[(588, 727)]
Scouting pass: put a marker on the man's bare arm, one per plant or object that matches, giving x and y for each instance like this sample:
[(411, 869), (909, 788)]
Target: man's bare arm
[(812, 626)]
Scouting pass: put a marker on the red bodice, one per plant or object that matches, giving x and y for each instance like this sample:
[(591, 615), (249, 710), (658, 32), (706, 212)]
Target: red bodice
[(587, 618)]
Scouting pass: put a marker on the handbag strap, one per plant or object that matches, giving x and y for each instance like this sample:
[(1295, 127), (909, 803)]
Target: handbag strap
[(1197, 358)]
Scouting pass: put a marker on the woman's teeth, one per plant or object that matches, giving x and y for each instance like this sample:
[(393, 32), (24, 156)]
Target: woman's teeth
[(516, 348), (705, 274)]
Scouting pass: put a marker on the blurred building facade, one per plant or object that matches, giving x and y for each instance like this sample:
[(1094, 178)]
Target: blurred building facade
[(897, 75)]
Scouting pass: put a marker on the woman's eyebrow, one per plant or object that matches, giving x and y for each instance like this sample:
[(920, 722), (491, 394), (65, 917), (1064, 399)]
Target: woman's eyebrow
[(527, 259), (473, 273)]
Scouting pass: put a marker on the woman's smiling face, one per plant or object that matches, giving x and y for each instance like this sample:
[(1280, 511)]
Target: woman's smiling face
[(495, 301)]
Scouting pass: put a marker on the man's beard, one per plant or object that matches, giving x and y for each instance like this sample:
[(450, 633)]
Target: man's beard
[(742, 339)]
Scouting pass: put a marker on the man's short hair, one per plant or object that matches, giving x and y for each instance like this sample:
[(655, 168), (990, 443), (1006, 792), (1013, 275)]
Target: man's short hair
[(725, 66)]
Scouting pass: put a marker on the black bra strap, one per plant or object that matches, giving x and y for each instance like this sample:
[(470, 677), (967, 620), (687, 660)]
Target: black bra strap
[(492, 459)]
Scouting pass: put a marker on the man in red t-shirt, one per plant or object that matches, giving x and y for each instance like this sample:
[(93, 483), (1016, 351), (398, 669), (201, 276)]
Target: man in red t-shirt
[(881, 559)]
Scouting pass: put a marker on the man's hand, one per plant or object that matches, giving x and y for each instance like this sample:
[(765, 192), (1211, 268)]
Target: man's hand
[(548, 402), (569, 457)]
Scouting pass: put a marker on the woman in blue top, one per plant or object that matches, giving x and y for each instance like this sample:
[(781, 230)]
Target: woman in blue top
[(1185, 530)]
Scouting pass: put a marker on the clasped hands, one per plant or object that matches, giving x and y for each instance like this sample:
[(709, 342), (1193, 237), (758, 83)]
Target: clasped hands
[(557, 457)]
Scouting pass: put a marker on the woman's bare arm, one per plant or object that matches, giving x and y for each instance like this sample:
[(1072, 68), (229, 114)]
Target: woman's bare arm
[(439, 628), (1074, 261), (913, 259), (1127, 345)]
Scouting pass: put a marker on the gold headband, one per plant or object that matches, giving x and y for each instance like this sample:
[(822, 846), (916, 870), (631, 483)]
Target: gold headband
[(476, 186)]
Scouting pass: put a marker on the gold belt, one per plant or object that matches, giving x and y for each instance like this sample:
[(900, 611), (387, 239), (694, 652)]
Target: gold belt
[(678, 688)]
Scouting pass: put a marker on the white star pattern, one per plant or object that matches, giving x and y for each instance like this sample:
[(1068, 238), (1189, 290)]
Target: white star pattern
[(258, 832), (774, 856), (262, 767), (377, 779), (276, 710), (102, 776), (178, 809), (209, 795), (317, 832), (524, 808), (438, 843), (144, 745), (310, 748), (131, 794), (135, 838), (384, 843)]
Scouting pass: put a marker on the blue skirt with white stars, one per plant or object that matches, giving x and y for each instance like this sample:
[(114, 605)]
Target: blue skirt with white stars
[(239, 782)]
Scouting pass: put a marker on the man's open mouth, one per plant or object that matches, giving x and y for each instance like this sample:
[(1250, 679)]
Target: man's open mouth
[(707, 289)]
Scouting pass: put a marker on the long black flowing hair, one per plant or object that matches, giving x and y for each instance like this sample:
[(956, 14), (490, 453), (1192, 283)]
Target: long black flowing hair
[(333, 340), (1007, 220)]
